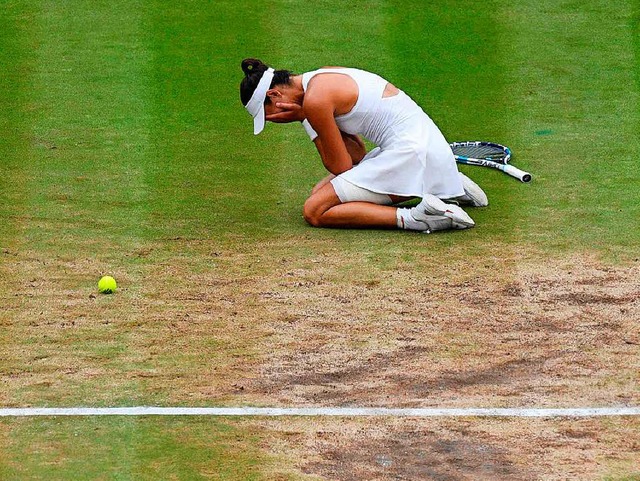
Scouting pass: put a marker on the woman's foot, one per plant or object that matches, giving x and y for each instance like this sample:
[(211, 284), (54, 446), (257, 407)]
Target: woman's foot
[(431, 205), (473, 195)]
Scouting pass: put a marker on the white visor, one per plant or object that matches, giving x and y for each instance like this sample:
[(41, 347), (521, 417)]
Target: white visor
[(255, 106)]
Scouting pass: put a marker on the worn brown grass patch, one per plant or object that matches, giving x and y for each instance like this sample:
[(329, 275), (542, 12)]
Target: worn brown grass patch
[(195, 323), (560, 334), (456, 449)]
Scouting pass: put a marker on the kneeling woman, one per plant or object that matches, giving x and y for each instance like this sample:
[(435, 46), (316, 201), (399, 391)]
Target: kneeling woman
[(411, 159)]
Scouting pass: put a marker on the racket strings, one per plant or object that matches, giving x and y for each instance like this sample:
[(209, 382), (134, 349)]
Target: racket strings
[(487, 152)]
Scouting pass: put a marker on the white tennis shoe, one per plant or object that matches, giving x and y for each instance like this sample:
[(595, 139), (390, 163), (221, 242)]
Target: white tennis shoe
[(431, 205), (473, 194)]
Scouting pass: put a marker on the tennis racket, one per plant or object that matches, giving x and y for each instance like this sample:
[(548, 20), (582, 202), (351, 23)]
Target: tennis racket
[(488, 154)]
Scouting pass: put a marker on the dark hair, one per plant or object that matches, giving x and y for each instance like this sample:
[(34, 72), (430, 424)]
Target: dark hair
[(253, 70)]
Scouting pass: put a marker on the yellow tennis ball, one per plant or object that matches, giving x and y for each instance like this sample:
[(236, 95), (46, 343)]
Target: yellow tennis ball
[(107, 285)]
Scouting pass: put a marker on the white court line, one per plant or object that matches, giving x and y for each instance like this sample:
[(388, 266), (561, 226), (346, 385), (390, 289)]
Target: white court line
[(326, 411)]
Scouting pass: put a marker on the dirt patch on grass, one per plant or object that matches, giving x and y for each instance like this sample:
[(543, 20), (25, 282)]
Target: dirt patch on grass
[(456, 449), (195, 323), (412, 452), (561, 334)]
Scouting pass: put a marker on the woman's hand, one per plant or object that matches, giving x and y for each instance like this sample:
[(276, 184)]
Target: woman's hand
[(288, 112)]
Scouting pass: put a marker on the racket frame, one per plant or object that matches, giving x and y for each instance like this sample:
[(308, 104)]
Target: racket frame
[(500, 163)]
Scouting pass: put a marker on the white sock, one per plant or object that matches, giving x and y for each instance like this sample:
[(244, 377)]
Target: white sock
[(406, 221)]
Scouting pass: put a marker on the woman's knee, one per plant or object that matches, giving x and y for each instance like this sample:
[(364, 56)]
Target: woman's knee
[(318, 204), (312, 212)]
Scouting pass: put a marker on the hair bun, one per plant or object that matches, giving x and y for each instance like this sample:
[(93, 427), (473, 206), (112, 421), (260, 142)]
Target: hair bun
[(253, 65)]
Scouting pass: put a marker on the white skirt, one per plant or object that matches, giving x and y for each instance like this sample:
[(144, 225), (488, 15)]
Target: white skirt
[(414, 160)]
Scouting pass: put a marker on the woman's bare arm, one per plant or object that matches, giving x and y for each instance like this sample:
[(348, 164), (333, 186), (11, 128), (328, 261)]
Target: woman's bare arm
[(323, 99), (355, 146)]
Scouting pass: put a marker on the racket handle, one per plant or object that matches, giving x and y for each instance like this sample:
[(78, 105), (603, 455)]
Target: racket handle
[(521, 175)]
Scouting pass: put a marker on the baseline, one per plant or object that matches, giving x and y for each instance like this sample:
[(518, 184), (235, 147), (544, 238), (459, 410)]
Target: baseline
[(322, 411)]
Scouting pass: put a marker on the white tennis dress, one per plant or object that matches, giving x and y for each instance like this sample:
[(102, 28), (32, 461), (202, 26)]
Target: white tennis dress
[(412, 157)]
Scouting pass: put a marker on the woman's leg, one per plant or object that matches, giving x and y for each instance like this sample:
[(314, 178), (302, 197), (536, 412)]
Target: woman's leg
[(324, 209)]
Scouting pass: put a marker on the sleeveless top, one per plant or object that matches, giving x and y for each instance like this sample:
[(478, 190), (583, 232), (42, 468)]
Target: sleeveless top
[(373, 115)]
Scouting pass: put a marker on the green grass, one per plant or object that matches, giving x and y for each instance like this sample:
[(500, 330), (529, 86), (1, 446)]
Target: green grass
[(127, 449), (124, 149), (132, 128)]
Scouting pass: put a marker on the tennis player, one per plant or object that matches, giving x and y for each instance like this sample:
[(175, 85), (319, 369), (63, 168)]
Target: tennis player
[(412, 159)]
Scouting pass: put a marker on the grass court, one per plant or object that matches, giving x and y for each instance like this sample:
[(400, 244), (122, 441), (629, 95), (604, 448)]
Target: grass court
[(125, 150)]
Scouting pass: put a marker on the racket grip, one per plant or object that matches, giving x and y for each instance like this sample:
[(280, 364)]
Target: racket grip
[(521, 175)]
